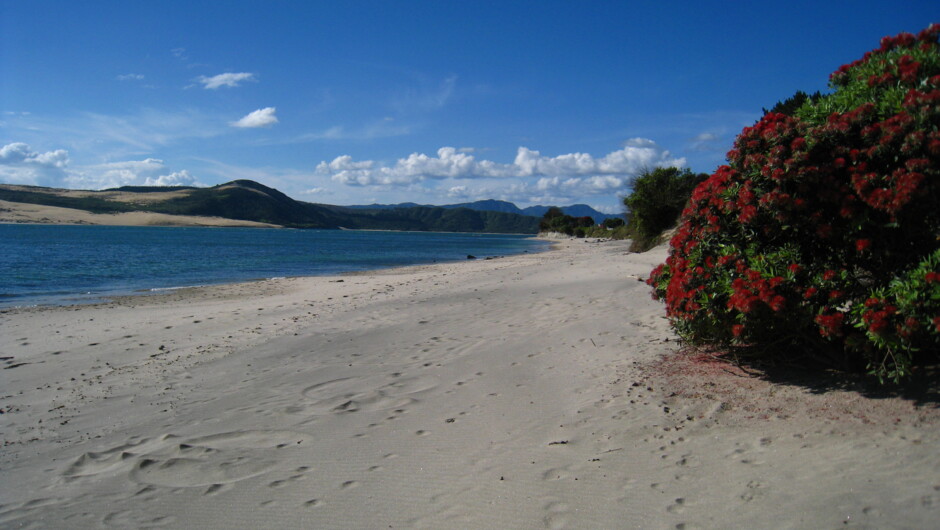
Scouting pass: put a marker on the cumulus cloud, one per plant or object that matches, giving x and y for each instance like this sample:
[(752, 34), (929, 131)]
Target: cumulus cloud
[(20, 164), (567, 170), (177, 178), (147, 172), (20, 153), (115, 174), (226, 79), (260, 118)]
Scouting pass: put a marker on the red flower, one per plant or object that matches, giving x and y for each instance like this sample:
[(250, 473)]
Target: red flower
[(830, 325), (861, 245), (737, 330), (748, 213), (878, 321)]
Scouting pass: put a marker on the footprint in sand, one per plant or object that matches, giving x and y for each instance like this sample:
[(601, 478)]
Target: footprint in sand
[(206, 461), (557, 514), (129, 519), (348, 395), (188, 472), (677, 507)]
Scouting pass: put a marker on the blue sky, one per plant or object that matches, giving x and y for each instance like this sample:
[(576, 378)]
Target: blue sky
[(433, 102)]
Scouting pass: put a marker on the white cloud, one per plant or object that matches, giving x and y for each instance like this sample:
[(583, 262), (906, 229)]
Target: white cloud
[(427, 96), (444, 92), (227, 79), (19, 164), (130, 77), (459, 192), (260, 118), (116, 174), (177, 178), (147, 172), (385, 128), (570, 170), (705, 142), (20, 153)]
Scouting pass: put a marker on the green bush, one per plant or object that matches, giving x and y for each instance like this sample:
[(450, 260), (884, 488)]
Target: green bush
[(656, 200), (556, 221), (820, 236)]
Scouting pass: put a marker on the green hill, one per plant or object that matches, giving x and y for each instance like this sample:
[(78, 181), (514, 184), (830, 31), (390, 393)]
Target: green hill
[(250, 201)]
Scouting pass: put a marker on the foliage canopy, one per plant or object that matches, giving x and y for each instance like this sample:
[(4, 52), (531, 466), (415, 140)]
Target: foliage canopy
[(822, 233), (657, 198)]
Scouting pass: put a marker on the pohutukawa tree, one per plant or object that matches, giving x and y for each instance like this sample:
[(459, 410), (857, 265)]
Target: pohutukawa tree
[(822, 233)]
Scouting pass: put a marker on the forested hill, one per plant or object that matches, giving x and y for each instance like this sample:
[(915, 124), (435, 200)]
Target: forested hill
[(250, 201), (491, 205)]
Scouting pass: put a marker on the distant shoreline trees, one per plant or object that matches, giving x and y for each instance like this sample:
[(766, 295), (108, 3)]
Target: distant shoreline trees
[(555, 220)]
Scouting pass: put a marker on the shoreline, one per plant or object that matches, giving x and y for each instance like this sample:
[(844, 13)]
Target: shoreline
[(14, 302), (527, 391)]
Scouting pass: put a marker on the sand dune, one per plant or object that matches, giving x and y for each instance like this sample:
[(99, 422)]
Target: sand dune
[(520, 392), (18, 212)]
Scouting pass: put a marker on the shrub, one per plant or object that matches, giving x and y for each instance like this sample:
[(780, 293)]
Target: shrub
[(790, 105), (656, 200), (820, 235), (555, 220)]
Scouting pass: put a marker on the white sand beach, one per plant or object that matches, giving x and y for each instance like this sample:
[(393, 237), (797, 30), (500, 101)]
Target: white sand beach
[(19, 212), (521, 392)]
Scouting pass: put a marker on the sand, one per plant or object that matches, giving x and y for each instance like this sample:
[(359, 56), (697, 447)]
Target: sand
[(18, 212), (533, 391)]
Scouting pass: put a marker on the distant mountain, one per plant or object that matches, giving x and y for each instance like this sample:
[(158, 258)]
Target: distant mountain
[(491, 205), (251, 201), (575, 210), (385, 206)]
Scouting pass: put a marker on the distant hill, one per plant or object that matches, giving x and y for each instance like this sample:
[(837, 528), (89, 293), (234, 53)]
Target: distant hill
[(491, 205), (250, 201)]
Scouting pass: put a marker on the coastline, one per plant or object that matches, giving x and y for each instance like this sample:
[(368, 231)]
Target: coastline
[(130, 277), (525, 391)]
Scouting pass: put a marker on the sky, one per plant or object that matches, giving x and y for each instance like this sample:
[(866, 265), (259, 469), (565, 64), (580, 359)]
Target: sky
[(434, 102)]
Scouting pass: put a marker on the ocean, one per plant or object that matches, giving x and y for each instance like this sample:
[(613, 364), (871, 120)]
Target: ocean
[(57, 265)]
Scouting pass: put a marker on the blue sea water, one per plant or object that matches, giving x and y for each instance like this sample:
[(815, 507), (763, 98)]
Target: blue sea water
[(52, 264)]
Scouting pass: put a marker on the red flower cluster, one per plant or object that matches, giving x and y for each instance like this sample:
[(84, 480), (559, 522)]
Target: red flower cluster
[(830, 325), (803, 222), (878, 315), (754, 289), (928, 36)]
